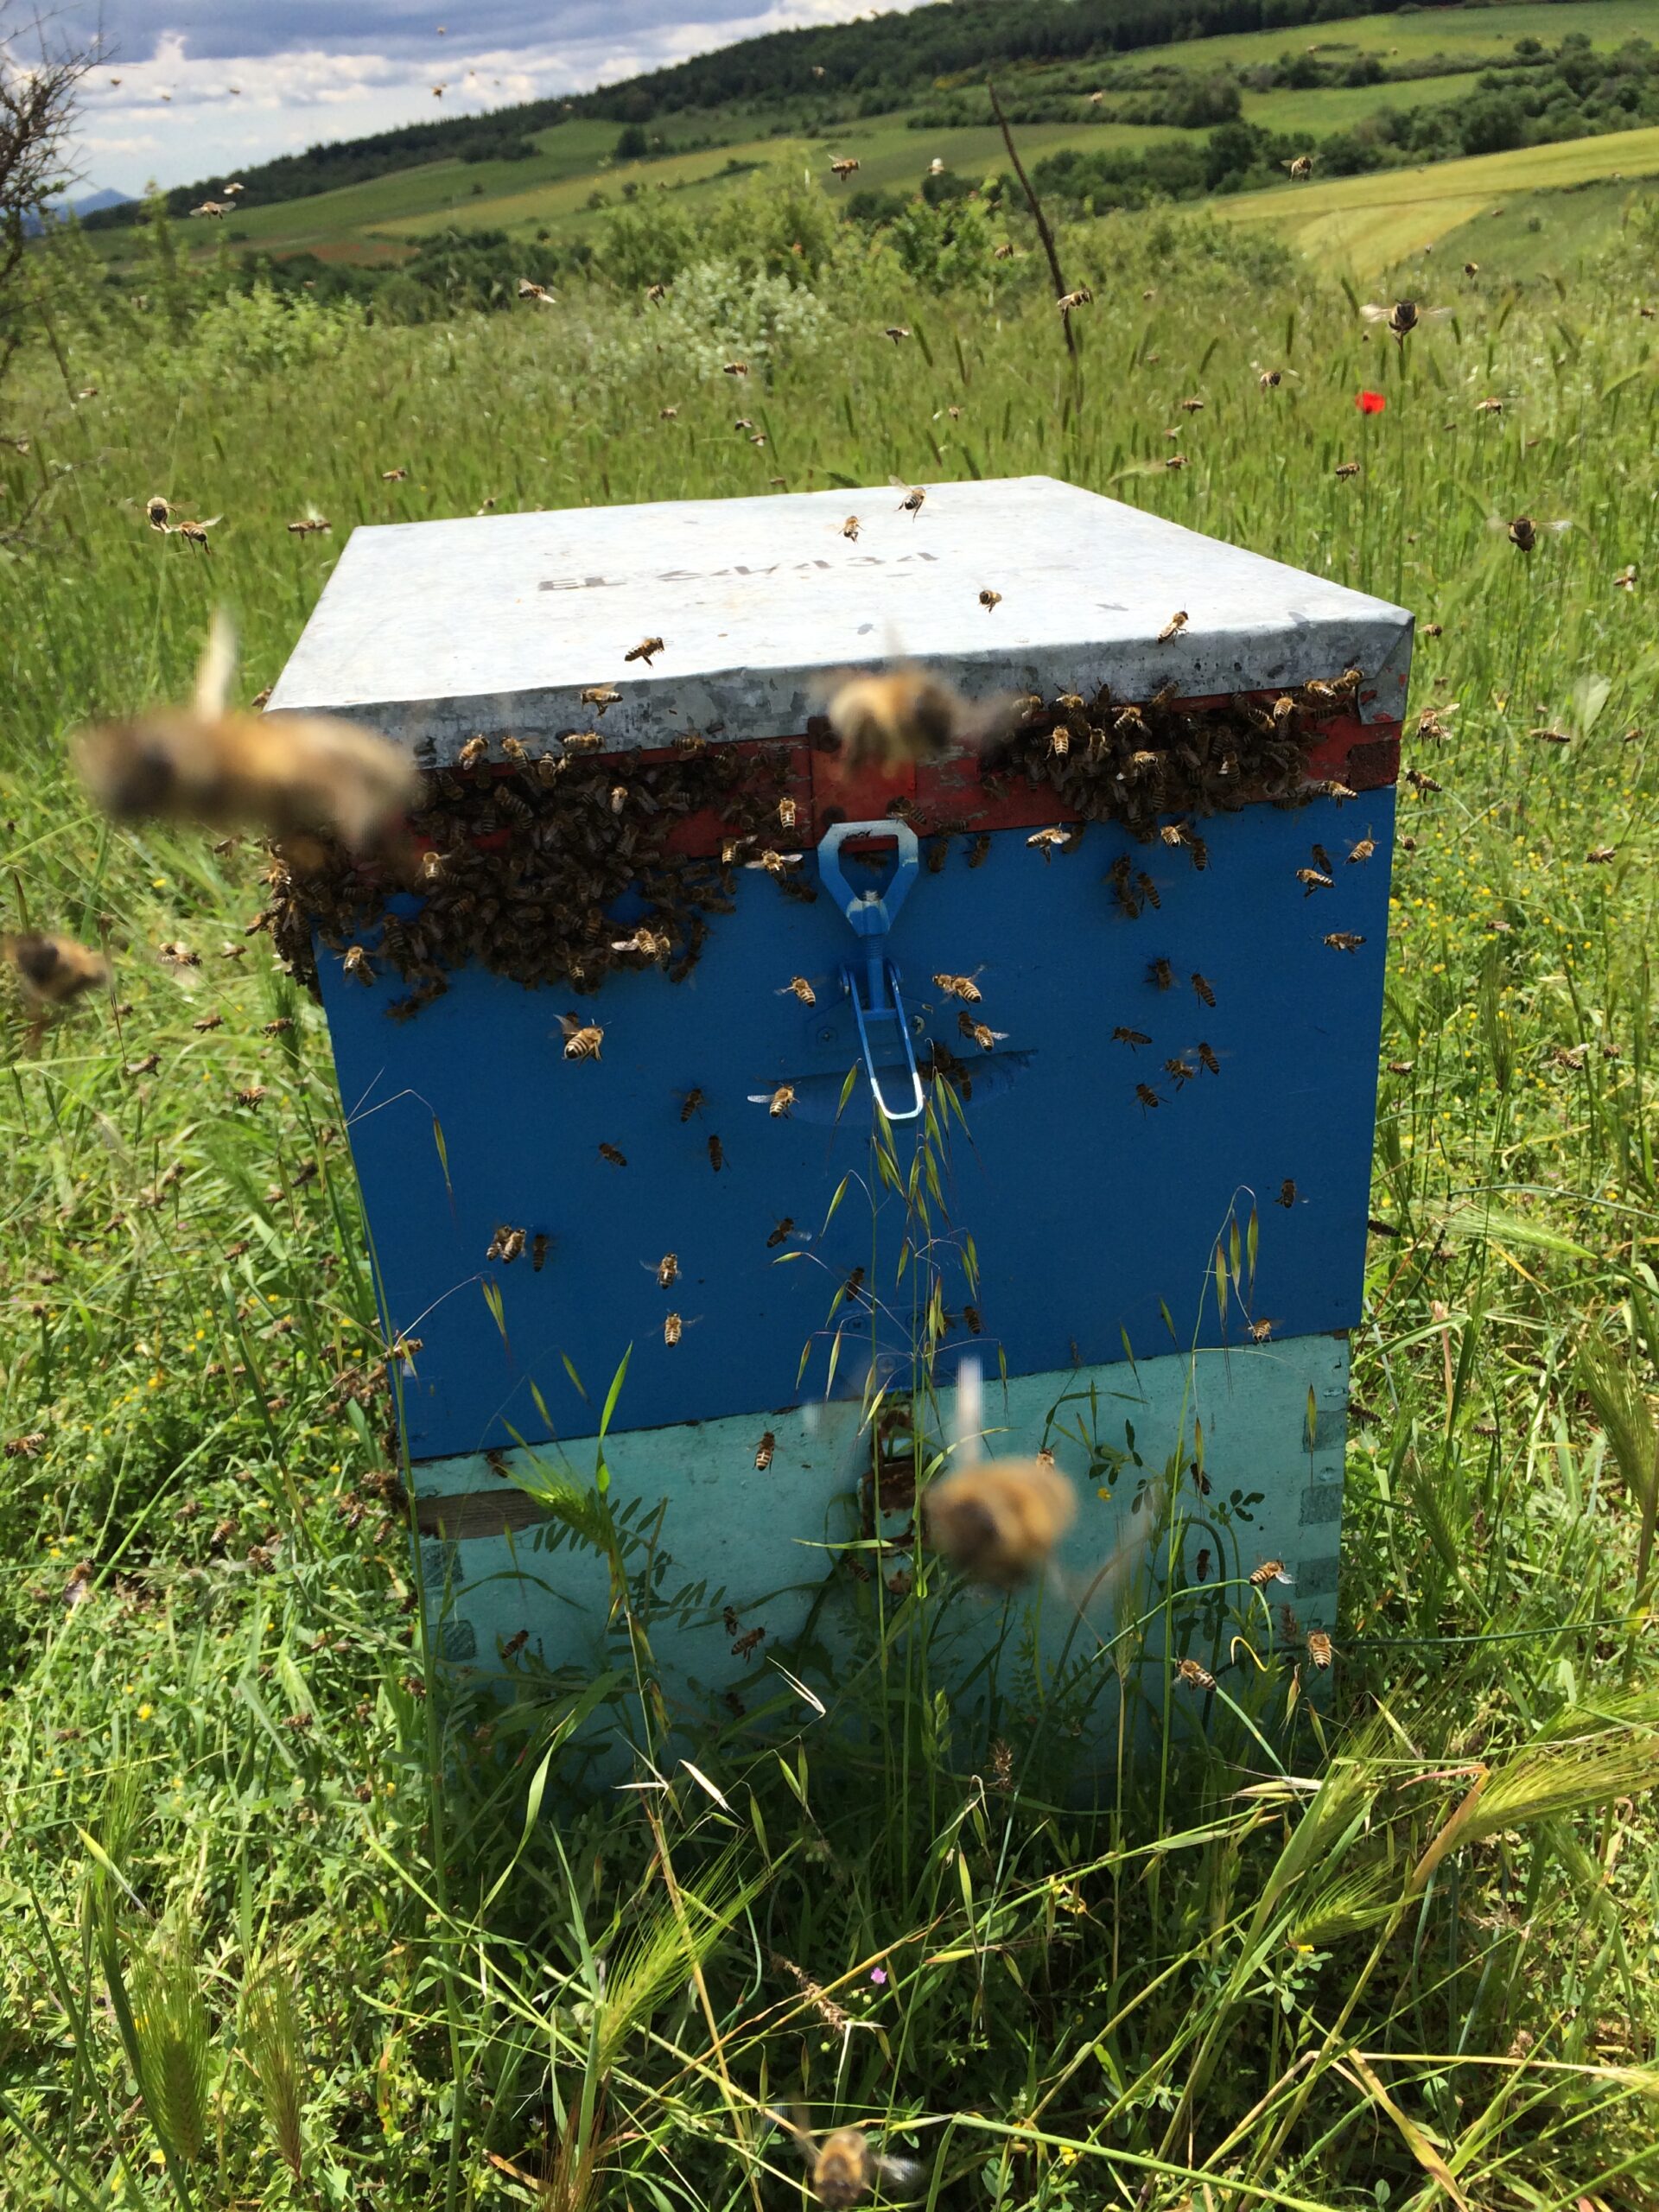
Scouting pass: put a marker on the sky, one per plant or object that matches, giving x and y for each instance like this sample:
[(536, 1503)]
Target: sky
[(160, 105)]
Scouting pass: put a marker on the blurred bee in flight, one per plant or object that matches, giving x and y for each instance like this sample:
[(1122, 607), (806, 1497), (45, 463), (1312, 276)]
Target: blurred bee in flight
[(846, 2167)]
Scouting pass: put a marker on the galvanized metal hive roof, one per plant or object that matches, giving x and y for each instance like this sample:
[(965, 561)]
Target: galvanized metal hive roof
[(434, 632)]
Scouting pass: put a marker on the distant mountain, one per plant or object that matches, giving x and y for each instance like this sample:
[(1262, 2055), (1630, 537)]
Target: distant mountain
[(94, 202)]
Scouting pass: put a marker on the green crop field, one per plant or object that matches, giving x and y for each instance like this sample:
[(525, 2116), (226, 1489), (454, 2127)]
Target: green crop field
[(289, 1922), (1460, 34)]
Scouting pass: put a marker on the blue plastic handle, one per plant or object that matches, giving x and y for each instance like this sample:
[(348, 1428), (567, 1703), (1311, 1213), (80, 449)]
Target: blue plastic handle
[(871, 913)]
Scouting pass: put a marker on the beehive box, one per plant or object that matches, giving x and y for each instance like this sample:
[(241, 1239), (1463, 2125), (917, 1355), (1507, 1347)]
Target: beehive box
[(1139, 1197)]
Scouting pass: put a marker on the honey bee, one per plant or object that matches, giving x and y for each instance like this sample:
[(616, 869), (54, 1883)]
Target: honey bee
[(1601, 855), (528, 291), (209, 1021), (610, 1152), (1175, 624), (1081, 298), (1489, 406), (475, 750), (777, 865), (1361, 851), (780, 1102), (1207, 1059), (850, 528), (1195, 1677), (1321, 859), (988, 599), (1523, 533), (763, 1452), (716, 1154), (599, 696), (998, 1522), (1286, 1193), (903, 714), (780, 1232), (652, 944), (1179, 1072), (1344, 941), (1262, 1331), (644, 650), (960, 987), (506, 1245), (356, 964), (515, 1644), (217, 208), (852, 1290), (1049, 842), (54, 971), (157, 510), (673, 1329), (788, 813), (1201, 1565), (1302, 168), (691, 1102), (845, 2167), (581, 1039), (1320, 1650), (914, 495), (668, 414), (1133, 1037), (393, 476), (1332, 789), (1059, 740), (1147, 1095), (970, 1316), (797, 986), (736, 369), (228, 770), (1162, 976), (538, 1251), (1312, 881), (843, 170), (1270, 379), (897, 332), (251, 1097), (1271, 1570), (1402, 318), (582, 740), (1003, 251), (745, 1645), (311, 524), (986, 1038)]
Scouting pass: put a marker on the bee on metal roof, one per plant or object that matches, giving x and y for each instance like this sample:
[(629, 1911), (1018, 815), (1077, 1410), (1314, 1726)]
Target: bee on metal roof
[(581, 1039), (475, 750), (644, 650), (850, 528), (582, 740), (599, 696), (1176, 623), (988, 599)]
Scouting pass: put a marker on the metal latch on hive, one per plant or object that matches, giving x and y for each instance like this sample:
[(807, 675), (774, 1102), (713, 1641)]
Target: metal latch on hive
[(874, 990)]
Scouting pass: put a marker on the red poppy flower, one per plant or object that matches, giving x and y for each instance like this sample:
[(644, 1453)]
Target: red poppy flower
[(1370, 402)]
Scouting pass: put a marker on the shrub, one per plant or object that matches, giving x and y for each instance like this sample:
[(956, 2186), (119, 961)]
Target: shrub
[(248, 331)]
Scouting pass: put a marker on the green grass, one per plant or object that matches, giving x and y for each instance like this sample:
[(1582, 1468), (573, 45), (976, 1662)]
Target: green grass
[(1462, 33), (286, 1927), (1369, 223)]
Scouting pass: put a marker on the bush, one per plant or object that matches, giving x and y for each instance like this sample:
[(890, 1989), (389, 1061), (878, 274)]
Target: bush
[(248, 332), (716, 311), (504, 149), (632, 145)]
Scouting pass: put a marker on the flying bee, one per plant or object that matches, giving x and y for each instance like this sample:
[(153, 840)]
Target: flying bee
[(914, 495), (897, 331), (1147, 1096), (1312, 881), (1321, 860), (599, 696), (745, 1645), (1320, 1649), (475, 750), (1523, 533), (1133, 1037), (797, 986), (1302, 168), (1207, 1059), (505, 1245), (1179, 1072), (736, 369), (1201, 1565), (356, 964), (1262, 1331), (1160, 975), (1049, 842), (777, 865), (1081, 298), (999, 1521), (1271, 1570), (960, 987), (780, 1232), (644, 650), (1175, 624), (311, 524), (843, 170), (393, 476), (538, 1251), (983, 1035), (652, 944), (852, 1289), (1270, 379), (1003, 251), (1403, 317), (988, 599), (1344, 470), (610, 1152), (1344, 941), (209, 1021), (1361, 851), (528, 291), (905, 714), (763, 1452), (208, 764), (515, 1644), (845, 2168), (1195, 1677), (692, 1101), (54, 971), (782, 1099), (581, 1039), (158, 511), (582, 740), (979, 848), (1286, 1193), (673, 1329), (716, 1154)]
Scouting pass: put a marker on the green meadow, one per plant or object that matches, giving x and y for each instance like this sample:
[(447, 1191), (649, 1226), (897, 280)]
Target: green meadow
[(289, 1923)]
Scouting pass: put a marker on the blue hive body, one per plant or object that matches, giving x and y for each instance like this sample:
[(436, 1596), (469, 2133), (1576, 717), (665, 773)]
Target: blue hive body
[(1074, 1223)]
